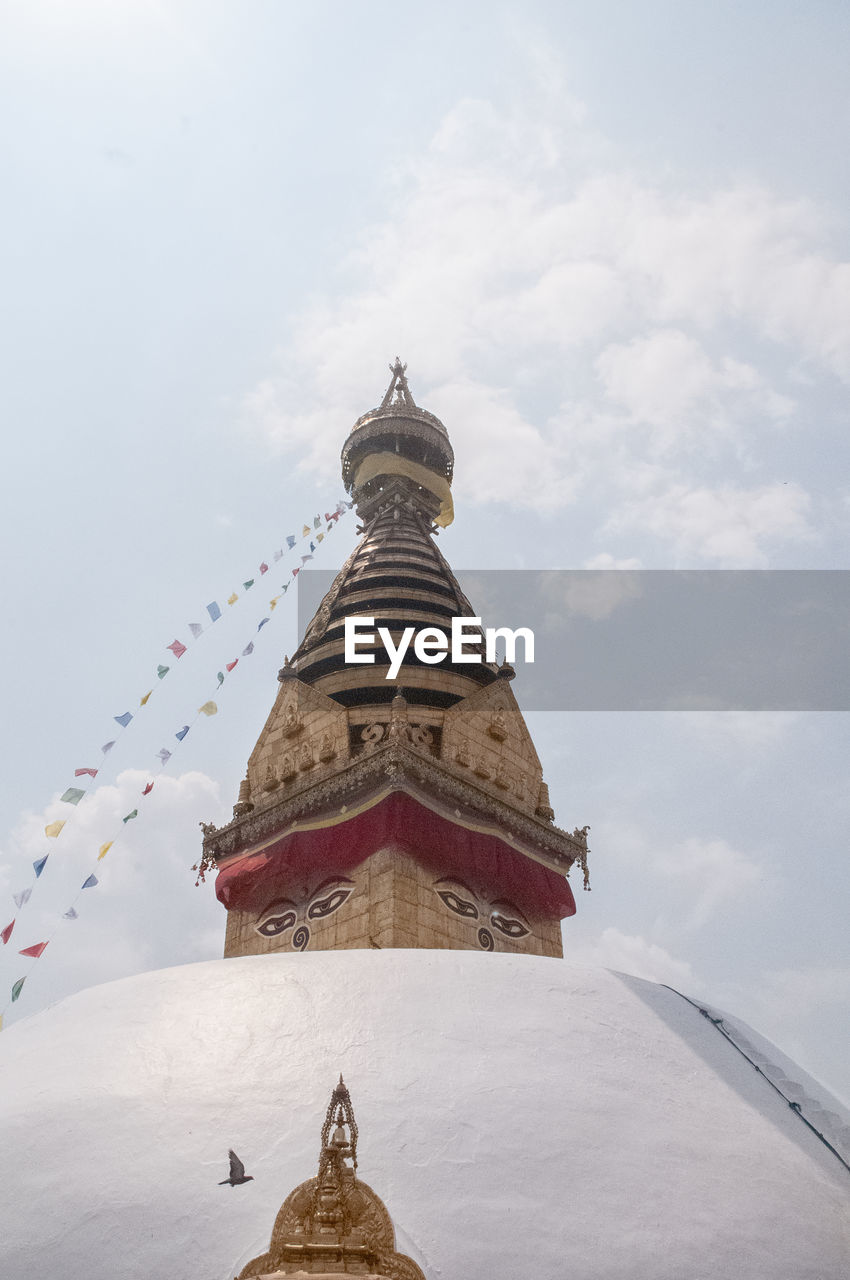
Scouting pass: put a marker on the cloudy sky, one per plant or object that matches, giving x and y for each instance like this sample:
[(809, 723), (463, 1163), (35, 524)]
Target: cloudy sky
[(610, 240)]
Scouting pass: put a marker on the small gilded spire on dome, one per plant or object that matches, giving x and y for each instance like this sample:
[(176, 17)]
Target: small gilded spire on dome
[(398, 392)]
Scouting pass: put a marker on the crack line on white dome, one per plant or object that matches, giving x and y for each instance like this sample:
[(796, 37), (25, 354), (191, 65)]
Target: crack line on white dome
[(717, 1022)]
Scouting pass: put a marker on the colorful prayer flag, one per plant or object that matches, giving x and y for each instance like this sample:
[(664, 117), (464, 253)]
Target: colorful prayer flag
[(38, 866), (107, 746), (304, 559), (247, 585), (195, 628), (148, 789), (35, 950), (295, 572), (123, 720), (262, 623), (220, 678), (305, 532), (214, 611), (16, 989), (162, 671), (73, 795), (249, 648), (264, 568), (273, 603), (320, 537), (90, 882), (317, 520), (208, 709), (228, 666), (6, 933), (104, 849), (143, 700), (312, 546), (164, 755), (53, 828), (176, 648), (232, 599), (79, 773), (278, 555), (22, 898), (181, 733), (290, 540), (70, 914), (133, 814)]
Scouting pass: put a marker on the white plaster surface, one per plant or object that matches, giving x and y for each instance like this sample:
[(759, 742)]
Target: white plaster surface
[(518, 1116)]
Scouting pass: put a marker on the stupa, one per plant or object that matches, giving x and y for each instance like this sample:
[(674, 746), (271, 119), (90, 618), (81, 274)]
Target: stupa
[(394, 884)]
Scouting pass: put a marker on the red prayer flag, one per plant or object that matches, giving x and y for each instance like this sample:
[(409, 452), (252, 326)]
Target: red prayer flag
[(6, 933), (264, 568), (79, 773), (34, 951), (148, 789), (231, 665), (176, 648)]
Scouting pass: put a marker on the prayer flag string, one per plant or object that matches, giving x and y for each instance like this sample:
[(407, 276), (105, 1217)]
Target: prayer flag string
[(73, 795)]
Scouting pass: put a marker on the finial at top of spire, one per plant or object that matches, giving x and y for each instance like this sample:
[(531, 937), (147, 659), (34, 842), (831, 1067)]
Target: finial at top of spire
[(398, 392)]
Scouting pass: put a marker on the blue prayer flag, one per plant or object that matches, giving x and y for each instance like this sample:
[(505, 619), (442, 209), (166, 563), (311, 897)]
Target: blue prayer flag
[(123, 720), (214, 611), (38, 866), (90, 882)]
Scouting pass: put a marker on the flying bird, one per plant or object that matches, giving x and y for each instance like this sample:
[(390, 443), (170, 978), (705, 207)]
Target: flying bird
[(237, 1172)]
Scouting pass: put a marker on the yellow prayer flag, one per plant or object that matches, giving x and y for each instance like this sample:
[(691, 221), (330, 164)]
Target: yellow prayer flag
[(232, 599), (305, 531), (145, 698), (53, 828), (273, 603), (208, 709), (319, 537), (104, 849)]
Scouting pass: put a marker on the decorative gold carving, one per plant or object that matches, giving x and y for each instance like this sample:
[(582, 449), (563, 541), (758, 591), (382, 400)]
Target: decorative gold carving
[(372, 735), (498, 726), (292, 722), (244, 804), (421, 736), (334, 1223), (544, 809)]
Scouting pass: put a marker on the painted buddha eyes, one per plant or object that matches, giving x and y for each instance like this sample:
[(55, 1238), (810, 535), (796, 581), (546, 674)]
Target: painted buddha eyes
[(460, 906), (510, 926), (330, 901), (282, 915), (277, 918), (503, 916)]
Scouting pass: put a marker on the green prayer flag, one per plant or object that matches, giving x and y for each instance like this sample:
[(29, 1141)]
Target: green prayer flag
[(16, 989), (73, 795), (134, 814)]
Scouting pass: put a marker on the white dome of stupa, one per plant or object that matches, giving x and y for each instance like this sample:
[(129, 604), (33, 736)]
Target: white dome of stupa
[(519, 1116)]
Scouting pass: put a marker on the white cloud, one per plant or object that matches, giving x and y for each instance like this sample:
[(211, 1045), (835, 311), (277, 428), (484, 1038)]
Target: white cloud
[(728, 526), (710, 873), (631, 953), (518, 260), (145, 910)]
